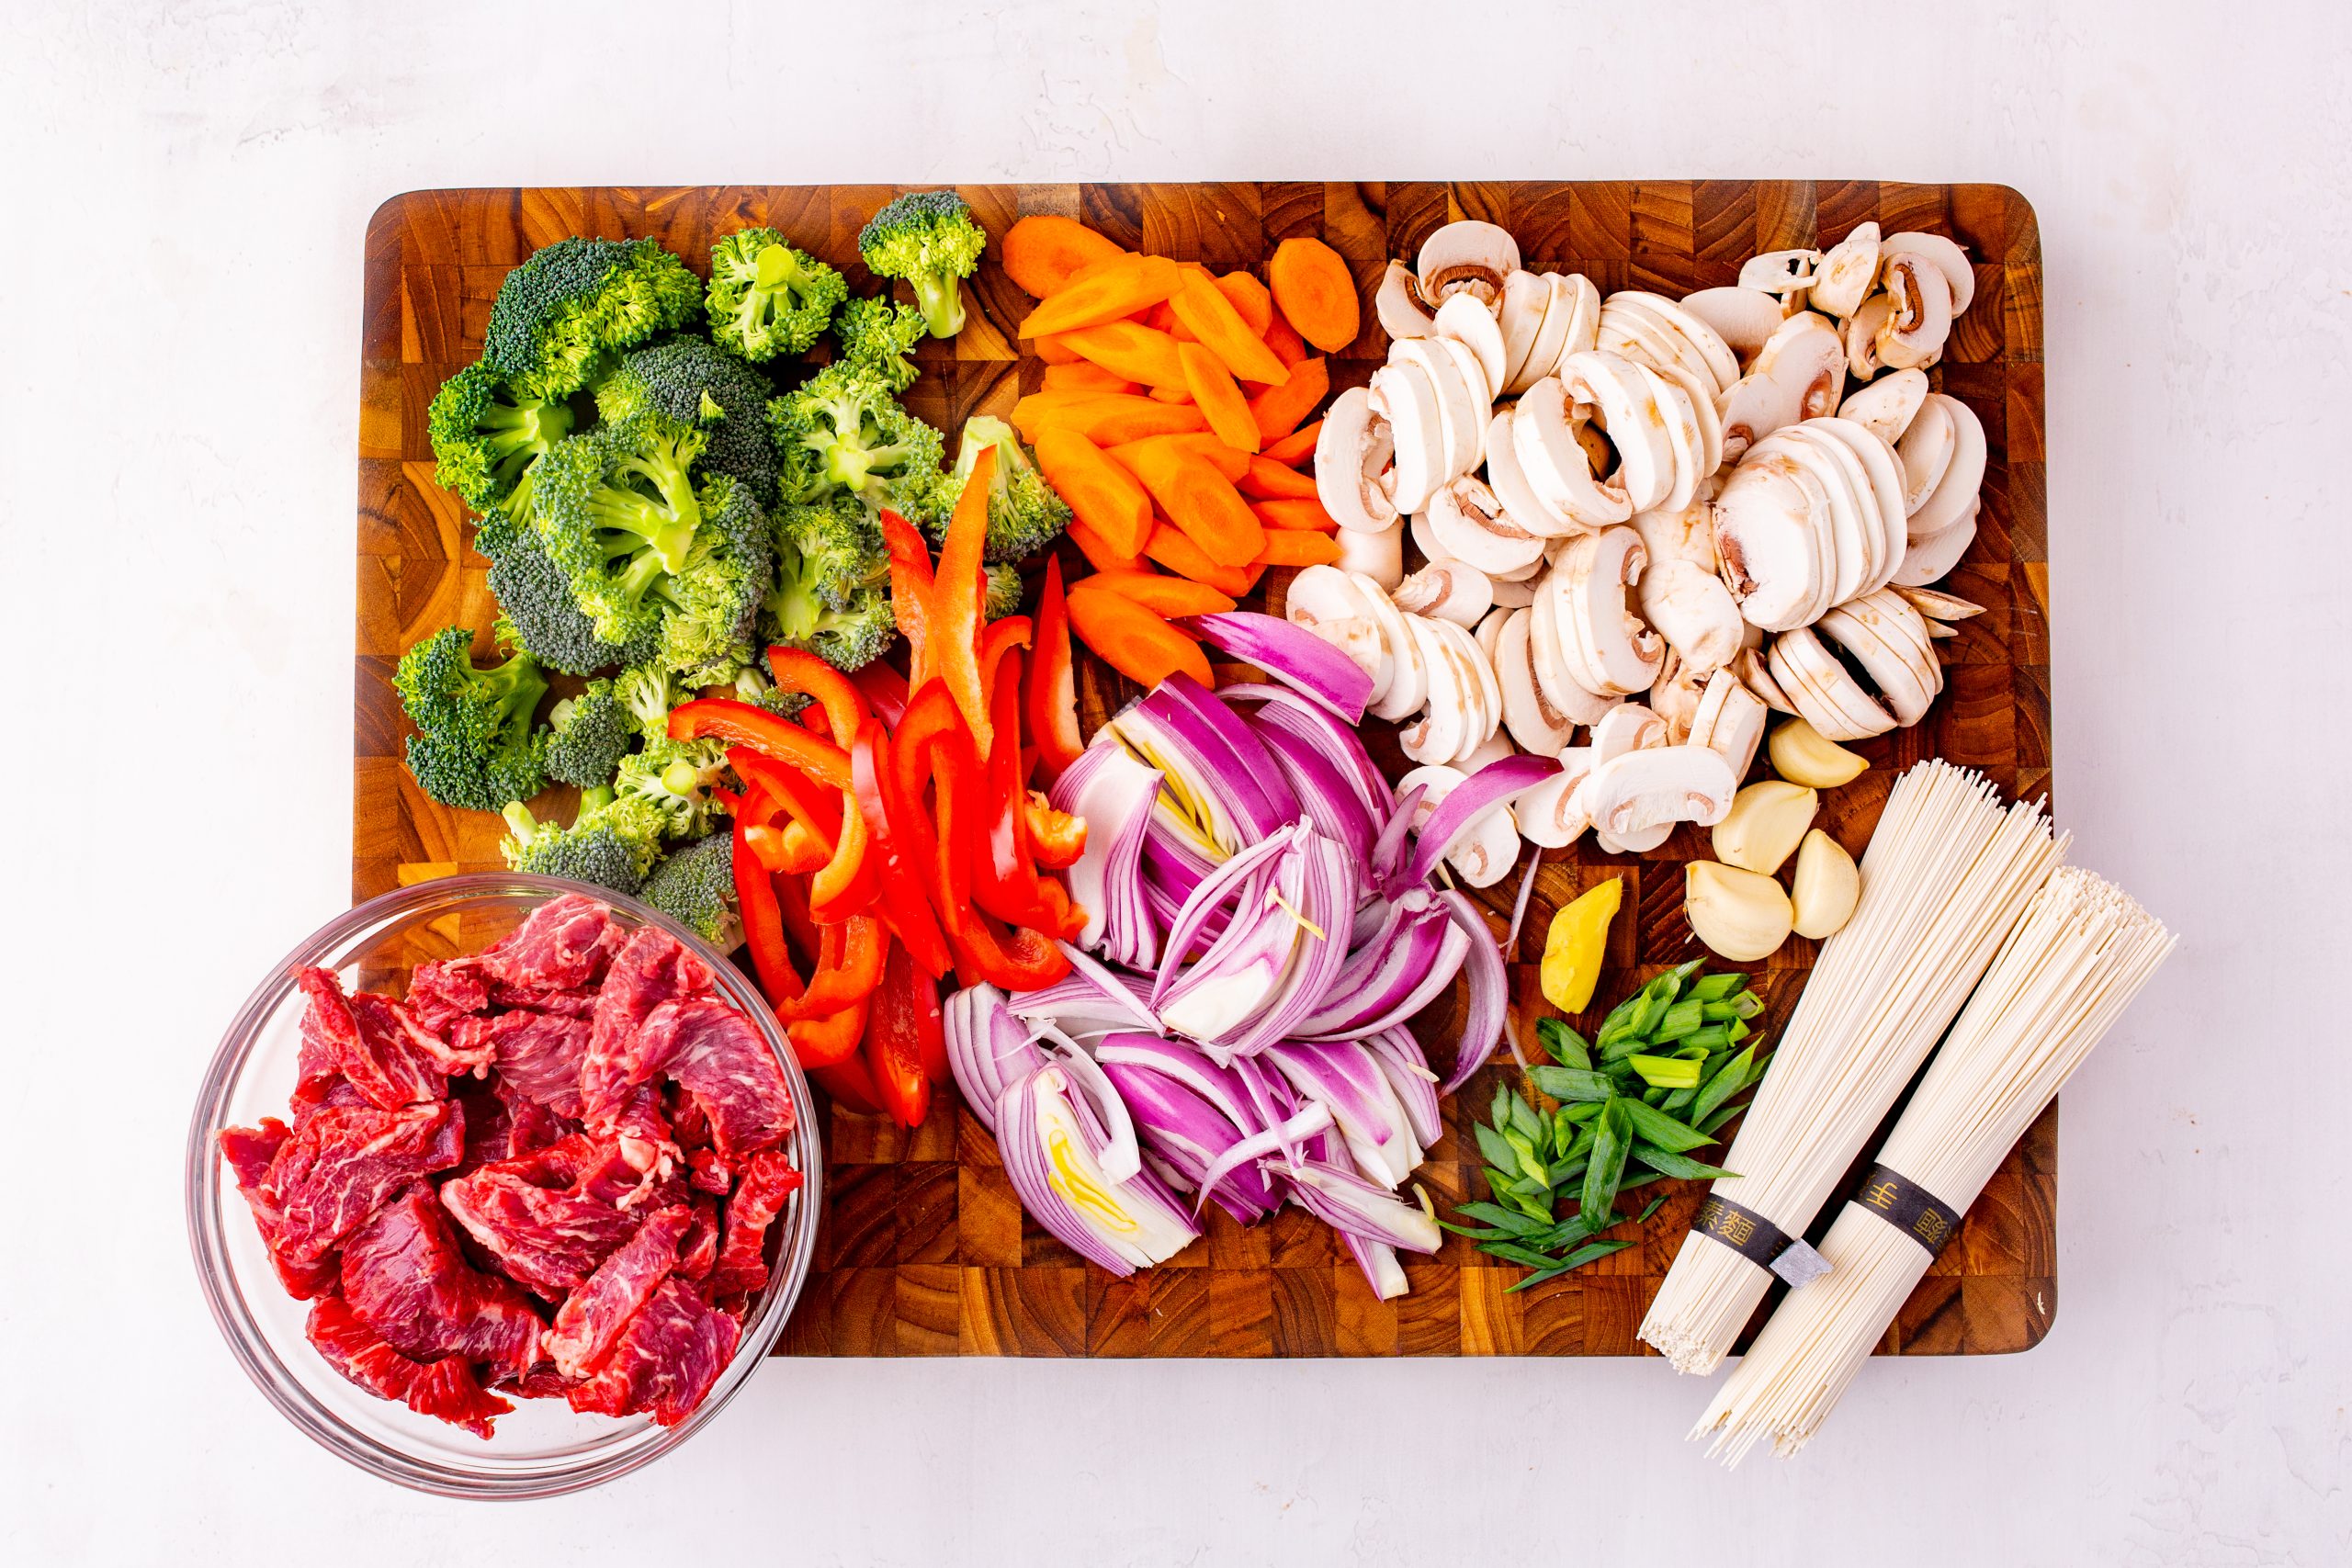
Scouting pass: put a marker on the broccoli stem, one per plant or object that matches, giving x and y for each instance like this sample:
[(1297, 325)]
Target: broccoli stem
[(941, 301)]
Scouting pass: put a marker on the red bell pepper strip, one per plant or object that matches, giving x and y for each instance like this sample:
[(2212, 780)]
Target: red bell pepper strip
[(911, 585), (845, 885), (849, 965), (789, 792), (1053, 685), (762, 924), (851, 1086), (740, 724), (792, 899), (885, 691), (899, 878), (953, 631), (1004, 877), (801, 849), (1057, 839), (981, 955), (1000, 638), (906, 1049), (843, 704), (823, 1041)]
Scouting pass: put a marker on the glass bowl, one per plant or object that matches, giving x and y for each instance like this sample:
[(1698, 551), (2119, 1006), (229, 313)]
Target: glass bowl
[(541, 1448)]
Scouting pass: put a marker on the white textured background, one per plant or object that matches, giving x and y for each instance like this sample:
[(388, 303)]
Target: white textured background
[(180, 301)]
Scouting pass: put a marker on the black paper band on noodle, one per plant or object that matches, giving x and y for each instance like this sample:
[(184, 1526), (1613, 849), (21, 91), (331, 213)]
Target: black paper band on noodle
[(1745, 1231), (1908, 1207)]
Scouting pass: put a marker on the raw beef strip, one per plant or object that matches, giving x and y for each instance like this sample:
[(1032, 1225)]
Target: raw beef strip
[(249, 1151), (698, 1253), (380, 1018), (665, 1362), (644, 1133), (564, 944), (448, 1391), (579, 1003), (542, 1382), (716, 1054), (549, 1240), (405, 1277), (537, 1052), (379, 1062), (708, 1171), (340, 1164), (441, 992), (357, 1351), (593, 1316), (687, 1122), (768, 1180), (614, 1178), (651, 970)]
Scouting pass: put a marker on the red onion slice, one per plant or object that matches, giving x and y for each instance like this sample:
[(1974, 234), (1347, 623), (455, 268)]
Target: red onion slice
[(1291, 655), (1489, 991), (1472, 798)]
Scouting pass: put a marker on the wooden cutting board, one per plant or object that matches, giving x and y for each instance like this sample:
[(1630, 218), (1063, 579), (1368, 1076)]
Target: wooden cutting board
[(924, 1250)]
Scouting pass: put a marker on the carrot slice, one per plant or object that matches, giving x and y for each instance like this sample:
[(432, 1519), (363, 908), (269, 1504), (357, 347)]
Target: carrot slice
[(1106, 419), (1202, 307), (1054, 353), (1267, 480), (1137, 642), (1174, 550), (1103, 494), (1104, 293), (1279, 408), (1295, 448), (1284, 339), (1129, 349), (1161, 318), (1202, 503), (1296, 547), (1084, 377), (1316, 292), (1169, 596), (1220, 398), (1098, 550), (1045, 250), (1225, 459), (1171, 394), (1250, 300), (1294, 512)]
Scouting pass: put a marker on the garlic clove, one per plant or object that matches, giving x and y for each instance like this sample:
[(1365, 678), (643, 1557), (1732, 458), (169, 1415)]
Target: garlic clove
[(1826, 888), (1801, 755), (1764, 825), (1741, 916)]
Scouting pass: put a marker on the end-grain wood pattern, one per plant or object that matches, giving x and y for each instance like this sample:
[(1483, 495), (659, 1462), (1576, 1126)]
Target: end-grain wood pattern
[(924, 1249)]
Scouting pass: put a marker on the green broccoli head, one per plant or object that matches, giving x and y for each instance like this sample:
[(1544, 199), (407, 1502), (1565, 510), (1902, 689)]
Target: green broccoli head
[(610, 843), (649, 692), (712, 603), (686, 379), (487, 437), (475, 746), (831, 548), (767, 298), (842, 429), (1024, 514), (673, 778), (536, 611), (695, 887), (929, 238), (1002, 597), (616, 513), (588, 735), (559, 315), (879, 333), (848, 638)]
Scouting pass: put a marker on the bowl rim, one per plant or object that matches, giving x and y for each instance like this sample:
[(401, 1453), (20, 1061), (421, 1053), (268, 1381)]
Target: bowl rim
[(206, 1189)]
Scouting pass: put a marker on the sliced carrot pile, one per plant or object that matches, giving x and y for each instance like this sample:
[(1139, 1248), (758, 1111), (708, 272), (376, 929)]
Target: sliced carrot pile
[(1169, 596), (1249, 300), (1295, 448), (1130, 350), (1279, 408), (1284, 339), (1101, 494), (1203, 503), (1042, 252), (1174, 550), (1136, 641), (1202, 306), (1098, 550), (1316, 292), (1226, 460), (1289, 512), (1219, 396), (1267, 480), (1104, 293), (1293, 547), (1107, 419), (1083, 376)]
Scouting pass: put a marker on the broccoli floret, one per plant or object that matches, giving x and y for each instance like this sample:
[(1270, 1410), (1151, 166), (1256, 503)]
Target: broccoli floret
[(588, 737), (848, 639), (537, 608), (649, 692), (751, 685), (692, 382), (611, 842), (712, 603), (1024, 514), (842, 431), (486, 437), (830, 549), (879, 334), (559, 314), (617, 513), (673, 778), (475, 746), (1002, 597), (929, 238), (767, 298), (695, 887)]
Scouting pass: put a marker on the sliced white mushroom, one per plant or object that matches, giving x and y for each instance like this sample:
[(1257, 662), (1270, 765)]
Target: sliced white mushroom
[(1408, 683), (1509, 482), (1482, 392), (1446, 589), (1847, 271), (1956, 491), (1742, 318), (1398, 305), (1787, 275), (1640, 335), (1576, 301), (1697, 403), (1609, 647), (1471, 324), (1493, 748), (1887, 407), (1730, 721), (1487, 845), (1926, 451), (1547, 649), (1692, 328), (1862, 334), (1402, 392), (1320, 594), (1799, 373), (1885, 474), (1658, 788), (1769, 544), (1903, 667), (1516, 594), (1949, 259), (1674, 695), (1488, 632), (1628, 411), (1352, 453), (1930, 558), (1639, 844), (1380, 556), (1553, 462), (1533, 721), (1754, 669), (1684, 440), (1692, 611), (1468, 256), (1486, 709), (1461, 416), (1938, 608), (1825, 694), (1551, 814), (1628, 726), (1858, 542), (1688, 534), (1920, 321), (1439, 734), (1526, 296)]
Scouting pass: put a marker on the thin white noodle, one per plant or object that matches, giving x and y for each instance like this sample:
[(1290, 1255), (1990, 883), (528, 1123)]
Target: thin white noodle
[(1947, 874), (2082, 953)]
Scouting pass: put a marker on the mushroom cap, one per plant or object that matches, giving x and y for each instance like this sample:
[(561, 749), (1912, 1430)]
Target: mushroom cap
[(1957, 491), (1770, 542), (1547, 650), (1742, 318), (1446, 589), (1629, 414), (1686, 445), (1489, 632), (1533, 721), (1408, 683), (1509, 481), (1920, 318), (1442, 732), (1397, 304), (1494, 749), (1553, 462), (1353, 451), (1890, 641), (1378, 557), (1628, 726), (1926, 451), (1887, 407), (1403, 391), (1658, 788), (1861, 337), (1326, 601), (1469, 524), (1847, 271), (1949, 259), (1930, 558), (1858, 539), (1468, 254), (1698, 405), (1609, 648), (1885, 475), (1489, 689), (1463, 320), (1755, 671), (1799, 373)]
